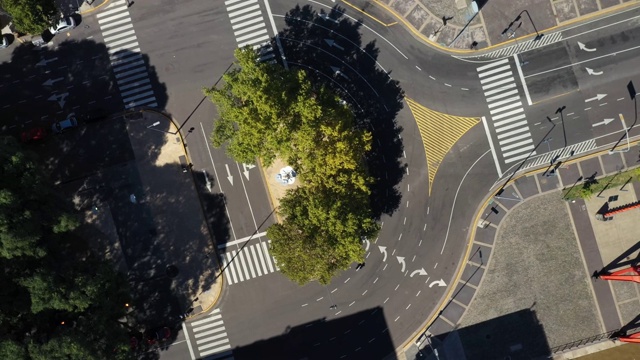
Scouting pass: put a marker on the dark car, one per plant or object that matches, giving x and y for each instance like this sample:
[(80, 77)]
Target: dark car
[(65, 124), (158, 335), (34, 134)]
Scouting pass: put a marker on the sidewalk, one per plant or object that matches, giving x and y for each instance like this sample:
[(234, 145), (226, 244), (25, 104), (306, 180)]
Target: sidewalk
[(171, 195), (534, 267), (461, 30)]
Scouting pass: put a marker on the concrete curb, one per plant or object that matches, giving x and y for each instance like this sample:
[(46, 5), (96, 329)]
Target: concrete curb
[(93, 8), (422, 38), (447, 297)]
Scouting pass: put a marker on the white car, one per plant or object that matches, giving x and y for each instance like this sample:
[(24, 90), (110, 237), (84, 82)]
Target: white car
[(64, 24)]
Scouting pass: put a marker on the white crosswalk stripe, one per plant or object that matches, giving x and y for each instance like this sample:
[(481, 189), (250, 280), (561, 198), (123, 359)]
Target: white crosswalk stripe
[(251, 262), (518, 47), (130, 71), (249, 27), (506, 111), (209, 338)]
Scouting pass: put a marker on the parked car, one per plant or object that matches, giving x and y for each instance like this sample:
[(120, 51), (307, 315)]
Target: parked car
[(66, 23), (4, 41), (158, 335), (35, 134), (62, 125)]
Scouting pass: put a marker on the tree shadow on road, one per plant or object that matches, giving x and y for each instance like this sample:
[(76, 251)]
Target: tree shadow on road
[(329, 47)]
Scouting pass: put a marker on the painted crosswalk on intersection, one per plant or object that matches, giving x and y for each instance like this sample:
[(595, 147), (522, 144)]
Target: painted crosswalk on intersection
[(249, 26), (506, 114), (207, 338), (127, 63), (247, 262)]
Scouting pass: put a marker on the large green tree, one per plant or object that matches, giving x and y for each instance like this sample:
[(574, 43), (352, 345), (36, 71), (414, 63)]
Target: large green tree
[(57, 301), (31, 16), (266, 112)]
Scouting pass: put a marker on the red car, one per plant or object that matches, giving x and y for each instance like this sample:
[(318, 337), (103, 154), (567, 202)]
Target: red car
[(34, 134), (158, 335)]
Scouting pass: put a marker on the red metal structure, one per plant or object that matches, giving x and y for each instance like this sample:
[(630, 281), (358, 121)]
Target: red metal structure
[(631, 273)]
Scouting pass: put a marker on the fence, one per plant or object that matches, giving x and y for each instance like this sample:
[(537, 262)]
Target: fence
[(583, 342)]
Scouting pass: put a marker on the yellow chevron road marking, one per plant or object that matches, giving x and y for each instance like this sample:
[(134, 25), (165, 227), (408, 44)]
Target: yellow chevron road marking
[(439, 132)]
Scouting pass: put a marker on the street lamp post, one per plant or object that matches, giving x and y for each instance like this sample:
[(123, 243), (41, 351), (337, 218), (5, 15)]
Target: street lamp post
[(538, 35)]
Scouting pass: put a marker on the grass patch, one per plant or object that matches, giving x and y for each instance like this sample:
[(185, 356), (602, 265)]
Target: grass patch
[(591, 186)]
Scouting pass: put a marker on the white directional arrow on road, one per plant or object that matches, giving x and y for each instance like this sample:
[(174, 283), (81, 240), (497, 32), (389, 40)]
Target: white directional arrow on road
[(438, 282), (337, 71), (597, 97), (584, 47), (332, 43), (229, 174), (419, 272), (366, 241), (246, 168), (59, 98), (604, 122), (51, 81), (591, 72), (326, 17), (383, 250), (44, 62), (401, 261)]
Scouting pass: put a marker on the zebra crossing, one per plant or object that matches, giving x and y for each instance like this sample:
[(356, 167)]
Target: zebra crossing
[(518, 47), (249, 26), (248, 263), (210, 338), (506, 113), (129, 68)]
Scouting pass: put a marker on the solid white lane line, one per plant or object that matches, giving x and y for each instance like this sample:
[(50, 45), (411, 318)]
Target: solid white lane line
[(516, 131), (136, 90), (522, 123), (515, 138), (245, 17), (254, 41), (186, 335), (250, 28), (513, 146), (496, 77), (268, 257), (504, 108), (243, 11), (493, 150), (494, 71), (507, 114), (134, 84), (518, 151), (255, 260), (252, 35), (242, 4), (493, 64), (505, 101), (243, 263), (121, 28), (249, 262), (518, 158), (119, 35), (262, 262), (498, 83), (524, 83), (136, 97), (500, 89), (236, 263), (259, 19), (511, 119)]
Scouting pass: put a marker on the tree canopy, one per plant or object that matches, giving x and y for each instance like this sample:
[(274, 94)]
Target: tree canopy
[(31, 16), (268, 112), (57, 302)]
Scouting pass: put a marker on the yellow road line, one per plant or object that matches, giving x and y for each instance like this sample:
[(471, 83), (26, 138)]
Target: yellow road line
[(371, 16), (439, 132)]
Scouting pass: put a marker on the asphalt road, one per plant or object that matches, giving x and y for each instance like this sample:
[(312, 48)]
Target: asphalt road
[(189, 45)]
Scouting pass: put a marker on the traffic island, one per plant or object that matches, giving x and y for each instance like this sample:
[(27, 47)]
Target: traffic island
[(278, 179)]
